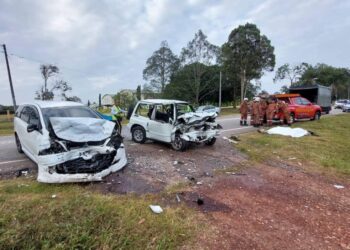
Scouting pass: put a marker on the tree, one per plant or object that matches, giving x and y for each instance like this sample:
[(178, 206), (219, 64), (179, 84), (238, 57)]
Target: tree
[(248, 54), (159, 67), (47, 70), (199, 53), (284, 89), (73, 99), (48, 94), (292, 74), (138, 92)]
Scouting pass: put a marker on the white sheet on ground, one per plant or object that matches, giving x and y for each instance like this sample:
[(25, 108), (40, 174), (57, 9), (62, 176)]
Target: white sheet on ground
[(82, 129), (287, 131)]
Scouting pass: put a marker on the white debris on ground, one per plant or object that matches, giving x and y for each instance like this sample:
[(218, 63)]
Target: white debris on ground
[(287, 131), (156, 209), (338, 186)]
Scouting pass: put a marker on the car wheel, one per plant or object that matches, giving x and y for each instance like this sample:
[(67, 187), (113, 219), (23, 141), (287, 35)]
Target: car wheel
[(138, 134), (292, 118), (179, 144), (317, 115), (210, 142), (18, 145)]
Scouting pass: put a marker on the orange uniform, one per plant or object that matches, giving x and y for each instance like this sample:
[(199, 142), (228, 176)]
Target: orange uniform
[(255, 119), (243, 109), (262, 110), (283, 110), (270, 112)]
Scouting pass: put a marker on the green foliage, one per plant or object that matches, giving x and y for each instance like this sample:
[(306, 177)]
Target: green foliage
[(198, 54), (338, 78), (247, 54), (159, 68), (82, 219), (293, 74)]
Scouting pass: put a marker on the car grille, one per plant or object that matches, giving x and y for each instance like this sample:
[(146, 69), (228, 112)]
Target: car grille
[(97, 164)]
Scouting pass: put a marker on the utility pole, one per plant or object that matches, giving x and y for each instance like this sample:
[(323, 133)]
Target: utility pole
[(10, 79), (220, 91)]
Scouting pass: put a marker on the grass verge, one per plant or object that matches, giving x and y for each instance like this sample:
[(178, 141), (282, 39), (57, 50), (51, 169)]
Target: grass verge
[(81, 219), (330, 149), (228, 111)]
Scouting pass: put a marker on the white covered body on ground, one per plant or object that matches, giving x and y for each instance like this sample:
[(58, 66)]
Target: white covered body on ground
[(287, 131)]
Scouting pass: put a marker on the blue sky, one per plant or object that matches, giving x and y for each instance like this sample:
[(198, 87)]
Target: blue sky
[(102, 46)]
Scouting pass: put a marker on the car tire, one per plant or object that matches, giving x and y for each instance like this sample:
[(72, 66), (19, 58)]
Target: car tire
[(138, 134), (292, 118), (210, 142), (317, 116), (18, 144), (179, 144)]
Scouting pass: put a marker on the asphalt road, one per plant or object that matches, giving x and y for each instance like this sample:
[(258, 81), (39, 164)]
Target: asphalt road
[(11, 160)]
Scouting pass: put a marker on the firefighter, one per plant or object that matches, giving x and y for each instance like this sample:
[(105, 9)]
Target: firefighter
[(262, 109), (255, 119), (270, 111), (284, 112), (243, 109)]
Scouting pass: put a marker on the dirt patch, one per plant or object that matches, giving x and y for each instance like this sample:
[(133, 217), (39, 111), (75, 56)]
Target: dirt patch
[(154, 166), (270, 208)]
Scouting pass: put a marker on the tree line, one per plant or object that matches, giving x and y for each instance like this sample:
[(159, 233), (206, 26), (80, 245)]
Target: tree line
[(194, 74)]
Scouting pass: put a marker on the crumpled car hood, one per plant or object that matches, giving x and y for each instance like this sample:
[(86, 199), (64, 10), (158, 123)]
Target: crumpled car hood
[(81, 129), (194, 117)]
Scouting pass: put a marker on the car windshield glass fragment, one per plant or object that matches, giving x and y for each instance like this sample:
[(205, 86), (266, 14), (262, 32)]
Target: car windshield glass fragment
[(67, 112)]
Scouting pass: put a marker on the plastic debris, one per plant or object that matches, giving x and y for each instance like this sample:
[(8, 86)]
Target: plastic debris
[(142, 221), (200, 201), (199, 183), (338, 186), (178, 198), (156, 209), (53, 196)]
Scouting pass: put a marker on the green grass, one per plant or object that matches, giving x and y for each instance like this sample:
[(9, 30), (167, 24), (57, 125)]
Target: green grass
[(6, 125), (228, 111), (79, 218), (330, 149)]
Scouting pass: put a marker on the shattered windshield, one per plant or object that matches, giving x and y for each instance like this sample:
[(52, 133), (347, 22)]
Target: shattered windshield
[(182, 108), (79, 111)]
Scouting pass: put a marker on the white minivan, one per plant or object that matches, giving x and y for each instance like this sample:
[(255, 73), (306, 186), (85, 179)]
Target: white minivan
[(172, 121), (69, 141)]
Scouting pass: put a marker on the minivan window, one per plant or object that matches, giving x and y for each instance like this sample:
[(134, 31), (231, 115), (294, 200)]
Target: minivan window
[(25, 114)]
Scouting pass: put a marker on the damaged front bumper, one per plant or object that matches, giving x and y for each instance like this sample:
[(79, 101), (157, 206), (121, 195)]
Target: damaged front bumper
[(81, 165), (199, 136)]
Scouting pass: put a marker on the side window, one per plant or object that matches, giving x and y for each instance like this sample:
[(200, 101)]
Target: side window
[(25, 115), (305, 101), (18, 111), (144, 110), (33, 116), (299, 101)]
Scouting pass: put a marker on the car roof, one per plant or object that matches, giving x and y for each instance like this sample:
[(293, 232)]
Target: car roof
[(161, 101), (285, 95), (53, 104)]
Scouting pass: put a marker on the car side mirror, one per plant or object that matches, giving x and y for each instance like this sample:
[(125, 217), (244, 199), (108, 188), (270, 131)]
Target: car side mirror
[(32, 127)]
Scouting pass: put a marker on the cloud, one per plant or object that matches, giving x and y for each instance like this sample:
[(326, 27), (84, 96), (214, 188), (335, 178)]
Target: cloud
[(102, 46)]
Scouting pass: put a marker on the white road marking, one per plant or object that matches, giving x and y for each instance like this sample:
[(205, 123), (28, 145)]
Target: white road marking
[(232, 129), (14, 161), (6, 142)]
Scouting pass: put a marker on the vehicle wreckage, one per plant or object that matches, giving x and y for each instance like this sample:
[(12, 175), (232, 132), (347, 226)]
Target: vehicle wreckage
[(69, 142), (173, 122)]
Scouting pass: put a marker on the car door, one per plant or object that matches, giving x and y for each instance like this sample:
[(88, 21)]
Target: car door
[(33, 139), (309, 110), (160, 129), (21, 124), (301, 109)]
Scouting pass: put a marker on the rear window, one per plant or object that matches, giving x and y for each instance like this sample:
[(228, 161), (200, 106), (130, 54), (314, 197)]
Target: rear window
[(79, 111)]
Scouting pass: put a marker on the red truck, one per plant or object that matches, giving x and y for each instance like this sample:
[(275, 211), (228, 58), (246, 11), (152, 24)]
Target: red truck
[(299, 107)]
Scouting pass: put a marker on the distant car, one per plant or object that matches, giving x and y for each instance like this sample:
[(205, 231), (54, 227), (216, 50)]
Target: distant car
[(299, 107), (208, 109), (173, 122), (346, 106), (340, 103), (69, 141)]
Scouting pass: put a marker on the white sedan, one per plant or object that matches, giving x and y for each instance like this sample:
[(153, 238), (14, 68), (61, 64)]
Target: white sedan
[(69, 141)]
